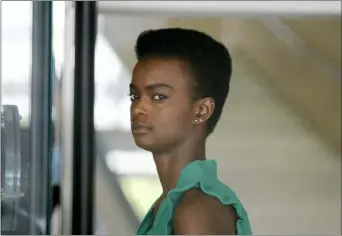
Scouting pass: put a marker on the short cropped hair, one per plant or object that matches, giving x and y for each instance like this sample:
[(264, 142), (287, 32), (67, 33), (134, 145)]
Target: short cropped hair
[(209, 61)]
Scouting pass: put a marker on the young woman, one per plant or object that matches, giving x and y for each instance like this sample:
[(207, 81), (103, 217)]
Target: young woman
[(179, 86)]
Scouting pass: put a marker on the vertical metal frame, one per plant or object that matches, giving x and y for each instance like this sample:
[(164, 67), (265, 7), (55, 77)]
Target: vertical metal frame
[(84, 133), (78, 135), (0, 77), (67, 112), (40, 122)]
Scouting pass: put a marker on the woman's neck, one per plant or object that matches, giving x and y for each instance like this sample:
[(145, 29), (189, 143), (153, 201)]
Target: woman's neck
[(170, 165)]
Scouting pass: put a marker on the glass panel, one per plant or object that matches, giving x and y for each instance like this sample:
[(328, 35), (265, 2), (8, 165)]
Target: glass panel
[(16, 70), (58, 56), (19, 213)]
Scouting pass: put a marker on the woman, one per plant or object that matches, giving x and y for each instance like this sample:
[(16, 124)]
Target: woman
[(179, 86)]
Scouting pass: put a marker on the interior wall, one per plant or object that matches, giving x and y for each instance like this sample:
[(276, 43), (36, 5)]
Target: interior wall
[(302, 84), (288, 178)]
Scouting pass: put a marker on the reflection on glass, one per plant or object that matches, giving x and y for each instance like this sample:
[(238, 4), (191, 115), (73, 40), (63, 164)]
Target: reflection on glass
[(19, 214), (16, 55), (15, 156)]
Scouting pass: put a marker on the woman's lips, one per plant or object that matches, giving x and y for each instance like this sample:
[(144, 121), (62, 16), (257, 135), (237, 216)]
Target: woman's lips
[(140, 128)]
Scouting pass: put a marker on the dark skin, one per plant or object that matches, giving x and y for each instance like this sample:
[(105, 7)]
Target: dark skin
[(168, 121)]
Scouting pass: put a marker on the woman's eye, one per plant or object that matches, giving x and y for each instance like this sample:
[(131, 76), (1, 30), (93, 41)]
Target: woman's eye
[(159, 97), (133, 96)]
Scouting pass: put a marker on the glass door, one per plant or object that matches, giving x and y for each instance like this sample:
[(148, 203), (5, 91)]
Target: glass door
[(26, 125)]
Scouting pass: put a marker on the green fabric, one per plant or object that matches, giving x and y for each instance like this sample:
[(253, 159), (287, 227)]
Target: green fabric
[(201, 175)]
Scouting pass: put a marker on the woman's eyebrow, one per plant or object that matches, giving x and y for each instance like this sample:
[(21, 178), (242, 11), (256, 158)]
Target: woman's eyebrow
[(152, 86)]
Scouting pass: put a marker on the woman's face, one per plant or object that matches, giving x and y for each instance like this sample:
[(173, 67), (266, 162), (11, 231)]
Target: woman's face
[(162, 108)]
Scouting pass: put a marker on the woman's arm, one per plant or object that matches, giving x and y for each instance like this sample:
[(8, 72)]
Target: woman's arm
[(204, 216)]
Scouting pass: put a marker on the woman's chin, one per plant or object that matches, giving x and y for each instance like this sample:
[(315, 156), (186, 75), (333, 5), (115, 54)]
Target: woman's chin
[(145, 144)]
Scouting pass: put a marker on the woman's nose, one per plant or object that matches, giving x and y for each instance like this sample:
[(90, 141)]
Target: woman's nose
[(139, 107)]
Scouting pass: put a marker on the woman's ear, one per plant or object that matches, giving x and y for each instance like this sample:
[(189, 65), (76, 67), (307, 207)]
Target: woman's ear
[(204, 110)]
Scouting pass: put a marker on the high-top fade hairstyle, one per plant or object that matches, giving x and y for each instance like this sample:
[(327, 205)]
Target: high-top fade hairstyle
[(208, 60)]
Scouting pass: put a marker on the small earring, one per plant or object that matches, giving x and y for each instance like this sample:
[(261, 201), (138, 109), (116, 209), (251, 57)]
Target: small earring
[(198, 121)]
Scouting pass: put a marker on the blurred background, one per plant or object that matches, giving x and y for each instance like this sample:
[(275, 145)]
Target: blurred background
[(278, 144)]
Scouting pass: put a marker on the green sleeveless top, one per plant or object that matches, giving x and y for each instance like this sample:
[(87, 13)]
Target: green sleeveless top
[(201, 175)]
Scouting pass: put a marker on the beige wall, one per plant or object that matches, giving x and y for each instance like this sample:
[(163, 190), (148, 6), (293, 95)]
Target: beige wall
[(288, 178), (298, 81)]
